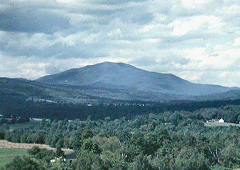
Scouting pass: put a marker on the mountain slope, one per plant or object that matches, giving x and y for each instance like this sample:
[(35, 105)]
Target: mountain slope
[(126, 77)]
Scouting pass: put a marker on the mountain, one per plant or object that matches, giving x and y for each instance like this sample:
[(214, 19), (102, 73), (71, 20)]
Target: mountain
[(69, 94), (109, 83), (120, 76)]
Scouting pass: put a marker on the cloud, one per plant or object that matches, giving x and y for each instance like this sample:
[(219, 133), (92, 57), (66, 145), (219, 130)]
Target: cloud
[(196, 40), (144, 62), (196, 25), (18, 17)]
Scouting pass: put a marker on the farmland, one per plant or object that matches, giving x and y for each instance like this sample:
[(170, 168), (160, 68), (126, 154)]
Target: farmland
[(8, 150), (7, 154), (10, 145)]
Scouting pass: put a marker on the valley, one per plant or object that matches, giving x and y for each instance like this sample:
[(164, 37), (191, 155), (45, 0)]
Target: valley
[(124, 83), (119, 120)]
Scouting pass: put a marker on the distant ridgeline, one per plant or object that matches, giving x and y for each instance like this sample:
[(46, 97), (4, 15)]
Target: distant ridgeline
[(107, 89), (21, 112)]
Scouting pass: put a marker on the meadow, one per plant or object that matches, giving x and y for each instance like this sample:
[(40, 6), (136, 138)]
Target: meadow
[(7, 154), (8, 150)]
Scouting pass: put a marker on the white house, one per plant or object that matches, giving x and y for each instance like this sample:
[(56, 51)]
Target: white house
[(58, 159), (221, 121), (216, 120)]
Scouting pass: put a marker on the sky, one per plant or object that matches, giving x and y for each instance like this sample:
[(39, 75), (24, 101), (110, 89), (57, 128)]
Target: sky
[(197, 40)]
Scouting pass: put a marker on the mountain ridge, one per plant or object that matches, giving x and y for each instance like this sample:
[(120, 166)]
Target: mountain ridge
[(124, 76)]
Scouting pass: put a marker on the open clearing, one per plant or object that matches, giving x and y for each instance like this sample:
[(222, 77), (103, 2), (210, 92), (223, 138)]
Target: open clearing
[(9, 150), (214, 124), (6, 144), (7, 154)]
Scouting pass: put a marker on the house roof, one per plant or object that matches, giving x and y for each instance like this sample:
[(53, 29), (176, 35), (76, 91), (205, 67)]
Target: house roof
[(70, 156)]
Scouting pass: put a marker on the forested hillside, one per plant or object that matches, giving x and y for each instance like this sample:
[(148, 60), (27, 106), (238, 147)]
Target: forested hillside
[(113, 109), (118, 134), (164, 140)]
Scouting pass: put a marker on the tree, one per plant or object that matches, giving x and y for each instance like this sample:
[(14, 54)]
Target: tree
[(190, 159), (87, 133), (1, 135), (34, 151), (77, 140), (113, 161), (23, 163), (112, 143), (89, 146), (88, 161), (141, 162), (150, 143), (230, 155), (59, 152)]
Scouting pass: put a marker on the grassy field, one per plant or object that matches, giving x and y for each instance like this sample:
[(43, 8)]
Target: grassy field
[(6, 144), (214, 124), (26, 125), (9, 150), (7, 154)]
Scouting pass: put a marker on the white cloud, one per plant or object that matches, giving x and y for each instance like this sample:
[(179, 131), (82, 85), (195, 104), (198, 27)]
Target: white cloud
[(193, 3), (67, 1), (24, 67), (197, 24), (195, 39), (237, 42)]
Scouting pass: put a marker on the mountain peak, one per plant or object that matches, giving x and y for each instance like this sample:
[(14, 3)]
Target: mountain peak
[(112, 64)]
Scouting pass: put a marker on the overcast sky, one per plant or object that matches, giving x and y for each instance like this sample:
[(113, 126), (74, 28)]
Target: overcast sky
[(197, 40)]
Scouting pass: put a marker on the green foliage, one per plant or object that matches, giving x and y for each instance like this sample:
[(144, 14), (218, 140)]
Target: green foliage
[(141, 162), (114, 160), (112, 144), (1, 135), (8, 154), (190, 159), (23, 163), (88, 161), (77, 140), (230, 156), (59, 152), (217, 167), (58, 165), (159, 141), (42, 154), (87, 133), (89, 146), (34, 151)]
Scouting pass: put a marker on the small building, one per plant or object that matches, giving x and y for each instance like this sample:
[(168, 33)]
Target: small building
[(67, 158), (216, 120), (58, 159), (221, 121), (70, 157)]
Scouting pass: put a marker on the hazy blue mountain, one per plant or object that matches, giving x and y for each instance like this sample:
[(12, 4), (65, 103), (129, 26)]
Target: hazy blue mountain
[(126, 77)]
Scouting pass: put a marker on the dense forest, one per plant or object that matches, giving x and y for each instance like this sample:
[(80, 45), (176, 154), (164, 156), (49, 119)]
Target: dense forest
[(159, 139), (12, 106)]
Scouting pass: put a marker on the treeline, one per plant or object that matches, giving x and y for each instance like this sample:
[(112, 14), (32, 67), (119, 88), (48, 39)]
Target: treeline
[(157, 141), (60, 111)]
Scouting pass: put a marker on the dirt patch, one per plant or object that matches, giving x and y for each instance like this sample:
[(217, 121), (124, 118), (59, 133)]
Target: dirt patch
[(6, 144)]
